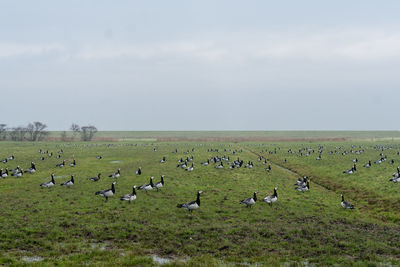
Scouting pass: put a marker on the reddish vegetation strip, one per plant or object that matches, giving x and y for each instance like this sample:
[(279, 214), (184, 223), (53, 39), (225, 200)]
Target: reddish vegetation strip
[(246, 139)]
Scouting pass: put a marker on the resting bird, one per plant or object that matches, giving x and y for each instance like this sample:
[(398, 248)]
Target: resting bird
[(107, 192), (95, 179), (49, 183), (304, 188), (273, 198), (346, 204), (190, 206), (250, 201), (130, 197), (69, 183), (139, 171), (32, 169)]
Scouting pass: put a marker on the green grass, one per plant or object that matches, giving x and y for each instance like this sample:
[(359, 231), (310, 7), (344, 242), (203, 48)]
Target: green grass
[(70, 226)]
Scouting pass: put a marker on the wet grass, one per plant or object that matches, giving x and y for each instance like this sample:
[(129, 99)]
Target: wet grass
[(71, 226)]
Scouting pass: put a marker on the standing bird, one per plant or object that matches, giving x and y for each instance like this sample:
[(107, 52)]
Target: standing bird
[(273, 198), (190, 206), (159, 184), (107, 192), (95, 179), (250, 201), (69, 183), (346, 204), (130, 197), (49, 183), (147, 187), (4, 174)]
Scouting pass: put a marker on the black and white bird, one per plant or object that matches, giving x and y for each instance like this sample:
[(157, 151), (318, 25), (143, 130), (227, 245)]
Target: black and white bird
[(159, 184), (4, 174), (130, 197), (107, 192), (139, 171), (190, 206), (99, 157), (367, 165), (395, 179), (345, 204), (69, 183), (73, 164), (60, 165), (11, 157), (147, 187), (304, 188), (95, 179), (250, 201), (32, 169), (205, 163), (191, 168), (115, 174), (163, 160), (18, 173), (351, 170), (273, 198), (49, 183), (268, 169), (355, 160), (220, 166)]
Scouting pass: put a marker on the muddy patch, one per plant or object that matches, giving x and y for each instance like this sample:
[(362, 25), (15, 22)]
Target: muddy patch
[(32, 259)]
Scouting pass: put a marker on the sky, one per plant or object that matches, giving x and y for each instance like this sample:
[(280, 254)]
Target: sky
[(201, 65)]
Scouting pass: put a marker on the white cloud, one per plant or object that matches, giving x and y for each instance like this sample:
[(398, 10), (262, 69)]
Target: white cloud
[(17, 49)]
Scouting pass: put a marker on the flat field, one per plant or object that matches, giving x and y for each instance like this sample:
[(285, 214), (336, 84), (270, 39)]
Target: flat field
[(73, 226)]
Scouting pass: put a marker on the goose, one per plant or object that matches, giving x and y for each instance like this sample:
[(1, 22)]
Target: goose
[(304, 188), (60, 165), (205, 163), (4, 174), (220, 166), (268, 169), (69, 183), (191, 168), (355, 160), (32, 169), (16, 169), (4, 161), (95, 179), (302, 182), (346, 204), (159, 184), (163, 160), (273, 198), (350, 171), (49, 183), (250, 200), (99, 157), (139, 171), (107, 192), (58, 156), (73, 164), (147, 187), (11, 157), (18, 174), (391, 162), (319, 157), (367, 165), (42, 158), (116, 174), (397, 174), (190, 206), (395, 179), (130, 197)]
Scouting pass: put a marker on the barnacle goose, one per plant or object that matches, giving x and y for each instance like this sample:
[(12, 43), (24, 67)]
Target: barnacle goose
[(391, 162), (350, 171), (397, 174), (220, 166), (69, 183), (395, 179), (11, 157), (205, 163), (346, 204), (130, 197), (367, 165), (73, 164), (191, 168), (139, 171), (107, 192), (99, 157), (159, 184), (250, 200), (190, 206), (60, 165), (95, 179), (4, 174), (355, 160), (147, 187), (268, 169), (304, 188), (116, 174), (4, 161), (271, 199), (163, 160), (32, 169), (18, 173), (49, 183)]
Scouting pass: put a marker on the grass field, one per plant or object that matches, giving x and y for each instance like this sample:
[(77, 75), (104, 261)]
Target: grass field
[(72, 226)]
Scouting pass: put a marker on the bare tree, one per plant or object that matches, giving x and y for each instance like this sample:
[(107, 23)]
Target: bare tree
[(3, 131), (87, 132), (36, 131), (18, 133), (75, 129)]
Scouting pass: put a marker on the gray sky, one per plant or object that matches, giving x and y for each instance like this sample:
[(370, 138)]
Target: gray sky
[(201, 65)]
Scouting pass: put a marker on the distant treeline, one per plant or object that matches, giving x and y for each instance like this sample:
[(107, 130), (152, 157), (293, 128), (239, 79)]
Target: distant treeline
[(36, 131)]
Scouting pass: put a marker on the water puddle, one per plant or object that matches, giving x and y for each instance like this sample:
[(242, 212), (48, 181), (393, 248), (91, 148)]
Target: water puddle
[(160, 260), (115, 161), (32, 259)]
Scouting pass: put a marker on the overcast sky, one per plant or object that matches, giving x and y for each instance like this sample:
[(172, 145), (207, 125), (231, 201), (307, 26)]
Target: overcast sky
[(201, 65)]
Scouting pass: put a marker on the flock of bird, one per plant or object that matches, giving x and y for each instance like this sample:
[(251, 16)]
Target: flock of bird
[(187, 163)]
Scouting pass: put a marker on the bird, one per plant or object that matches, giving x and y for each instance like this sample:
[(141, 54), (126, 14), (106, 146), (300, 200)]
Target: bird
[(116, 174), (395, 179), (18, 173), (220, 166), (163, 160), (345, 204), (49, 183), (268, 169), (250, 200), (95, 179), (355, 160), (159, 184), (60, 165), (69, 183), (273, 198), (73, 164), (4, 174), (99, 157), (107, 192), (130, 197), (304, 188), (32, 169), (147, 187), (189, 169), (367, 165), (205, 163), (190, 206), (139, 171)]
